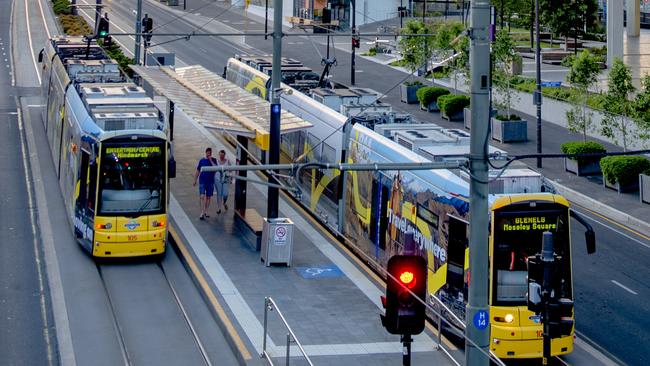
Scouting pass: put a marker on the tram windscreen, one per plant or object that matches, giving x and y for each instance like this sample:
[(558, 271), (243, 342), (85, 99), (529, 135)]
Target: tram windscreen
[(518, 235), (132, 179)]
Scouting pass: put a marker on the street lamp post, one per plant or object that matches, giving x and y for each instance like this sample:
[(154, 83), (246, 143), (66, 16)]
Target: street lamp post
[(538, 89)]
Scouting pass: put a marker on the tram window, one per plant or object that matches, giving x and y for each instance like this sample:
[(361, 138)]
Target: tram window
[(132, 179), (456, 252), (83, 181), (428, 216), (92, 186)]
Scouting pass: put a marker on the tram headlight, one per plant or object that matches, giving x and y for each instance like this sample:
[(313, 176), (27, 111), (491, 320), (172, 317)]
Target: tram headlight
[(509, 318)]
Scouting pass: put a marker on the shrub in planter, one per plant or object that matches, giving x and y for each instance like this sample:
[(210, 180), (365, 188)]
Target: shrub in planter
[(452, 105), (428, 97), (582, 165), (623, 171)]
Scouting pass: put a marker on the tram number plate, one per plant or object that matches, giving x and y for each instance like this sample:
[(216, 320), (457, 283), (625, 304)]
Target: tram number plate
[(132, 238), (540, 333)]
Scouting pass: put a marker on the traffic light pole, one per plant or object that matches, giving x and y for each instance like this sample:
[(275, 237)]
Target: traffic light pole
[(548, 262), (406, 354), (138, 31), (477, 330), (276, 77)]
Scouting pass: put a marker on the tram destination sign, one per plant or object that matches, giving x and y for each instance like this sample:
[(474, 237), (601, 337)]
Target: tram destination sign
[(126, 152), (528, 223)]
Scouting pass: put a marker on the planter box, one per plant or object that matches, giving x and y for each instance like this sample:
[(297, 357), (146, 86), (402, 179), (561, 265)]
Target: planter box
[(456, 117), (509, 131), (644, 188), (432, 107), (407, 93), (627, 188), (591, 167), (516, 67), (467, 118)]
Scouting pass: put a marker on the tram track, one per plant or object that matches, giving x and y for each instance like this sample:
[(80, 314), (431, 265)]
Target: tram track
[(116, 291)]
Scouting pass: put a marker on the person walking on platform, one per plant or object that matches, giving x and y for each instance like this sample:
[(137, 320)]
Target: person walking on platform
[(222, 182), (206, 182)]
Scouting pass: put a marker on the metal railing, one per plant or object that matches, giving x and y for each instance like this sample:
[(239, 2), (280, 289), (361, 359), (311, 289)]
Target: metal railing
[(270, 305), (462, 325)]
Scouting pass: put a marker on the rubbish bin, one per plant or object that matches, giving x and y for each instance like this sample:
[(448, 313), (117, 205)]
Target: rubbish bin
[(277, 241)]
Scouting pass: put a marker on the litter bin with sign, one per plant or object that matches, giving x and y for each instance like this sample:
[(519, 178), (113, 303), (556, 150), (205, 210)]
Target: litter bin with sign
[(277, 241)]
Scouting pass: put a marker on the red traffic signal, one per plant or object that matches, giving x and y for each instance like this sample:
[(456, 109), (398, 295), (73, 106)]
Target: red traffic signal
[(356, 42), (405, 295)]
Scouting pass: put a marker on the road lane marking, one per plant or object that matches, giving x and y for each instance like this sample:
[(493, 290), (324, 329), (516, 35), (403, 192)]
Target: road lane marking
[(624, 287), (614, 222), (47, 29), (615, 230)]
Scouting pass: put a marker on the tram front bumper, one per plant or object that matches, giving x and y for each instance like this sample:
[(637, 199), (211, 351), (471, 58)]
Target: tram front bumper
[(530, 348), (128, 249)]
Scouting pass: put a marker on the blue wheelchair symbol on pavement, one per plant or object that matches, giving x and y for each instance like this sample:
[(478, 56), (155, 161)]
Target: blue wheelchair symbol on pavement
[(320, 271), (481, 320)]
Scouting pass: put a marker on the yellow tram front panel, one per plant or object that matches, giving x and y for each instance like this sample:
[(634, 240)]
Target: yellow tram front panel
[(515, 334), (129, 237)]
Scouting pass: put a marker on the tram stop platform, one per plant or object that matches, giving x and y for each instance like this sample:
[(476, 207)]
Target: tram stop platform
[(328, 298)]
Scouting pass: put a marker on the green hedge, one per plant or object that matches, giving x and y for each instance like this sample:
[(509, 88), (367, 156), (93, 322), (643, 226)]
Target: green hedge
[(413, 83), (452, 103), (580, 147), (430, 94), (623, 169)]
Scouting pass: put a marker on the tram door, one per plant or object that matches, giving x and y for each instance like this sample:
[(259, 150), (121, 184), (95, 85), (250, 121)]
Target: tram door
[(379, 212), (85, 202), (457, 244)]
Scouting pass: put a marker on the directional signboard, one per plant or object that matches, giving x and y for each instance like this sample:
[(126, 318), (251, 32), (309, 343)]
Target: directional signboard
[(551, 84)]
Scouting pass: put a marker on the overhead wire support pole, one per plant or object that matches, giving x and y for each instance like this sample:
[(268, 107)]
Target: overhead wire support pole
[(276, 77), (138, 33), (477, 330), (353, 3), (538, 89)]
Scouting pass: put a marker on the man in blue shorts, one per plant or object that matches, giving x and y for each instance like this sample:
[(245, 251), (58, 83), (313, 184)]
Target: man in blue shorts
[(206, 182)]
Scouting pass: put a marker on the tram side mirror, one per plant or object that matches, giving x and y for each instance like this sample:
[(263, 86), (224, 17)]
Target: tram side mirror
[(171, 168), (590, 239), (590, 235), (40, 55)]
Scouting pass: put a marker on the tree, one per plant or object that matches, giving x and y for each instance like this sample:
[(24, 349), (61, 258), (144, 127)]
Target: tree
[(582, 75), (618, 106), (642, 110), (568, 17), (449, 44), (504, 56), (416, 50)]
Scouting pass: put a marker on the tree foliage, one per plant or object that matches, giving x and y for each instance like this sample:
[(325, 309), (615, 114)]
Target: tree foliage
[(567, 17), (504, 56), (416, 50), (616, 124), (583, 73)]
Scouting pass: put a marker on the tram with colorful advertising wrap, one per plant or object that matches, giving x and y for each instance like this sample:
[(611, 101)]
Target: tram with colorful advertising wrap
[(385, 211), (111, 151)]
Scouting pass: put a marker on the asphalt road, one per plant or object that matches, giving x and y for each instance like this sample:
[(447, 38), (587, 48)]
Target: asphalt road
[(608, 314), (117, 313), (23, 331)]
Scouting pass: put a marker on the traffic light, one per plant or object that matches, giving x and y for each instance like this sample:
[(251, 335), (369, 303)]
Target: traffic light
[(406, 284), (147, 27), (102, 27), (560, 317), (356, 42)]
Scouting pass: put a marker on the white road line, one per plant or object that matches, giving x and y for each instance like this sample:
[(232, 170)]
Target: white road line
[(624, 287), (587, 215), (31, 45), (47, 29), (35, 105)]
